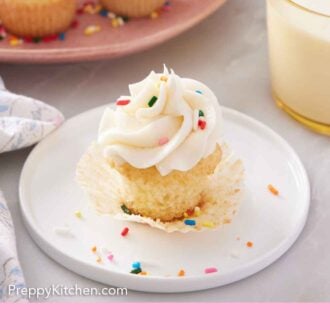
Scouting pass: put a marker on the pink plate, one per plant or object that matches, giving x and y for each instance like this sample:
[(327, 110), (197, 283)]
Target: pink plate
[(136, 35)]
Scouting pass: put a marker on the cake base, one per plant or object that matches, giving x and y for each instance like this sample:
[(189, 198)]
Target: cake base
[(220, 201)]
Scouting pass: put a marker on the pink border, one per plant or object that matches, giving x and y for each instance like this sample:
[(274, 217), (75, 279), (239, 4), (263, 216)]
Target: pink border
[(166, 316)]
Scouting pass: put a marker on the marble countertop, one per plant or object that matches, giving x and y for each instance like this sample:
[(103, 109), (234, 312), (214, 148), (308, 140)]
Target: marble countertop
[(228, 52)]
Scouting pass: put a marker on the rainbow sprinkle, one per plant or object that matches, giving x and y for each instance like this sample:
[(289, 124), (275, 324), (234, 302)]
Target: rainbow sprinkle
[(124, 232), (136, 265), (181, 273), (249, 244), (208, 224), (136, 271), (201, 124), (163, 141), (92, 29), (152, 101), (126, 209), (210, 270), (78, 214), (190, 222), (123, 102)]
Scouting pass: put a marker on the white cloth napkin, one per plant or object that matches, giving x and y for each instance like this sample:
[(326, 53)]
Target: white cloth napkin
[(23, 122)]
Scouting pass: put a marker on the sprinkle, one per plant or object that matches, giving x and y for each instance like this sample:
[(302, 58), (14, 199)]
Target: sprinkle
[(163, 141), (190, 212), (154, 15), (114, 23), (99, 260), (136, 265), (201, 113), (61, 36), (125, 209), (201, 124), (197, 211), (36, 40), (123, 102), (120, 21), (273, 190), (190, 222), (152, 101), (249, 244), (15, 41), (91, 29), (124, 231), (163, 78), (136, 271), (63, 231), (208, 224), (143, 273), (110, 257), (199, 92), (78, 214), (181, 273), (103, 12), (74, 24), (93, 249), (210, 270), (111, 15), (49, 38)]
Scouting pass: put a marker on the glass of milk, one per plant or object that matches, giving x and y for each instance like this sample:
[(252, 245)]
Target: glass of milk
[(299, 50)]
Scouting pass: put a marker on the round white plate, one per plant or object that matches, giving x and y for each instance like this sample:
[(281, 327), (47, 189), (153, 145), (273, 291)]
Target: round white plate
[(49, 197)]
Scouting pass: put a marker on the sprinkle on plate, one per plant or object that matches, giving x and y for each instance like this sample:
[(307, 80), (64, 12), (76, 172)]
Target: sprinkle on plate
[(273, 190)]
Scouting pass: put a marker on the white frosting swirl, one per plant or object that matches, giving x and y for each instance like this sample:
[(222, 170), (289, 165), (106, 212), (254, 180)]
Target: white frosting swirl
[(169, 134)]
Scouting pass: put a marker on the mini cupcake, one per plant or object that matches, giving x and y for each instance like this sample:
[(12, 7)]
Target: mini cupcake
[(37, 18), (132, 8), (163, 141)]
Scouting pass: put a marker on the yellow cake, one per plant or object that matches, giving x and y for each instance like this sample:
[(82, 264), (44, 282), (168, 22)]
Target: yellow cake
[(132, 8), (147, 192), (37, 18)]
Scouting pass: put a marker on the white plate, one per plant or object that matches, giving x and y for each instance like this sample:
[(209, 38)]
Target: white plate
[(49, 196)]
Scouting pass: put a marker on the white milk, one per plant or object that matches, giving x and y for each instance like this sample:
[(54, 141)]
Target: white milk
[(299, 47)]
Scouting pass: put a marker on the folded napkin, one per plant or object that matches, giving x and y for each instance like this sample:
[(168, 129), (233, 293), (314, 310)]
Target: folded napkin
[(23, 122)]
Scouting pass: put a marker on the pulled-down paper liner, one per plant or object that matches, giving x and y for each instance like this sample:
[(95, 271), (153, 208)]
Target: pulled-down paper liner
[(221, 201)]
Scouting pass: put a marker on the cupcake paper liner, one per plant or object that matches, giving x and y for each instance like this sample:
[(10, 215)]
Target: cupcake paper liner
[(221, 200)]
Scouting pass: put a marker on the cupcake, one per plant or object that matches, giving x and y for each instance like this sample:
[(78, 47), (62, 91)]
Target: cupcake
[(163, 144), (132, 8), (37, 18)]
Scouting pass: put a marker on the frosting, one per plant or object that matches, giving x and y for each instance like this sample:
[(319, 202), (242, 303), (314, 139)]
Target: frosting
[(167, 121)]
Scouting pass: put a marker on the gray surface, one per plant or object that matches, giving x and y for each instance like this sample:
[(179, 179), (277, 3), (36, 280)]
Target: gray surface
[(229, 53)]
